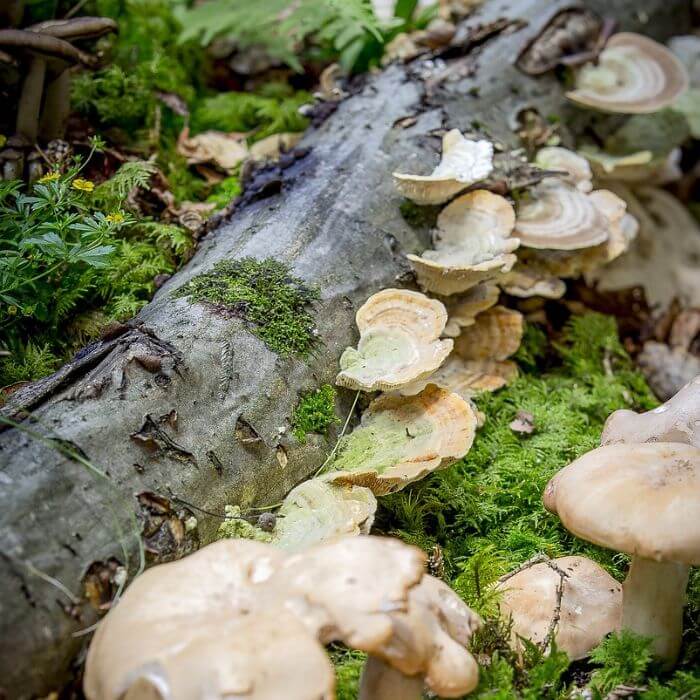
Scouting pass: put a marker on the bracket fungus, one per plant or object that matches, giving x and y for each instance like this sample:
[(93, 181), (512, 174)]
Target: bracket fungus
[(399, 341), (559, 217), (576, 168), (633, 75), (462, 310), (464, 162), (495, 335), (402, 439), (316, 511), (572, 601), (472, 242), (644, 500)]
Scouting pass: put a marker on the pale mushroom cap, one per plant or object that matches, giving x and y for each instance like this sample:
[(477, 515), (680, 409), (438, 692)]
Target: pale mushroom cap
[(475, 215), (347, 590), (634, 75), (591, 604), (559, 217), (399, 341), (463, 310), (642, 499), (430, 637), (316, 511), (495, 335), (677, 420), (530, 280), (155, 627), (464, 162), (402, 439), (577, 168), (467, 378)]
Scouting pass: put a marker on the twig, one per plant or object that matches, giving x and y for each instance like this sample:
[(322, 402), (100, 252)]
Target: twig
[(53, 581)]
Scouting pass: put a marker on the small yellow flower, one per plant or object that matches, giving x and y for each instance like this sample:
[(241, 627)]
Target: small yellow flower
[(83, 185), (3, 140), (12, 310), (115, 217), (49, 177)]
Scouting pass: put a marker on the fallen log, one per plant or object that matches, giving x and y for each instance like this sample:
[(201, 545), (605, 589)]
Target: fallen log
[(140, 441)]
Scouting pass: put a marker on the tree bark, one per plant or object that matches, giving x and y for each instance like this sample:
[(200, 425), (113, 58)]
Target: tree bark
[(337, 222)]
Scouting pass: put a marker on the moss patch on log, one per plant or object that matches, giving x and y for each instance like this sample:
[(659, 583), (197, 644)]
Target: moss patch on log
[(315, 413), (274, 303)]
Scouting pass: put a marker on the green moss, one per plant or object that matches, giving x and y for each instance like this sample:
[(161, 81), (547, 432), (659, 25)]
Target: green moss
[(348, 668), (315, 413), (237, 528), (263, 292)]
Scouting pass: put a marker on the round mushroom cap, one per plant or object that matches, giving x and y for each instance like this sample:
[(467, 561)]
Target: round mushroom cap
[(642, 499), (495, 335), (590, 606), (560, 217), (634, 75), (677, 420)]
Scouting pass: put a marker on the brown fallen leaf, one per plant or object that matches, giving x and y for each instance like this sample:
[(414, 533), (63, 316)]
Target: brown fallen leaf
[(224, 150), (524, 423)]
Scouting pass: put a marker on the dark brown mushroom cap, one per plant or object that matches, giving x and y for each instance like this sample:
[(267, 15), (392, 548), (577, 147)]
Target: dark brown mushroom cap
[(31, 42), (76, 28)]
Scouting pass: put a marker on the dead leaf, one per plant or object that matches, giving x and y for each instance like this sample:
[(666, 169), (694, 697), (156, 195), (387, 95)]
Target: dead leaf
[(524, 423), (224, 150), (175, 102), (282, 456), (685, 329), (272, 147)]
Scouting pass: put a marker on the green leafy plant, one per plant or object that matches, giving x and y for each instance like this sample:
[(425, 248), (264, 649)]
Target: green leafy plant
[(342, 26)]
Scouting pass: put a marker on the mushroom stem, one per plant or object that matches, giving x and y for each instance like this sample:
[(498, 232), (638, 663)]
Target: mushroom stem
[(653, 595), (56, 107), (30, 99), (382, 682)]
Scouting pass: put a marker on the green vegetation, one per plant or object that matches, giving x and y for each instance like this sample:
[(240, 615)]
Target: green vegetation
[(315, 413), (486, 513), (264, 293)]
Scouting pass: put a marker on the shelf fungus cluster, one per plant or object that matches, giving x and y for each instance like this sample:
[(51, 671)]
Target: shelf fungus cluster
[(242, 619)]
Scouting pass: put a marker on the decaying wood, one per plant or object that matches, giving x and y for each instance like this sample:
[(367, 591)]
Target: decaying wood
[(334, 216)]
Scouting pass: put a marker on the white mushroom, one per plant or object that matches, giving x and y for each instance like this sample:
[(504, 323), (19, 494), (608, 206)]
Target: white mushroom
[(578, 171), (642, 499), (464, 162), (633, 75)]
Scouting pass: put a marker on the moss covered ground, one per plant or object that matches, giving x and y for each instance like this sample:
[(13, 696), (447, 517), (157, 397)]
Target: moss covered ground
[(483, 516)]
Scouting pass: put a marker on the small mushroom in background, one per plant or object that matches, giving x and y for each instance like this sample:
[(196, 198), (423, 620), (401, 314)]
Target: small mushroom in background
[(464, 163), (677, 420), (644, 500), (472, 242), (572, 601), (532, 279), (633, 75), (667, 368), (402, 439), (399, 341), (578, 171)]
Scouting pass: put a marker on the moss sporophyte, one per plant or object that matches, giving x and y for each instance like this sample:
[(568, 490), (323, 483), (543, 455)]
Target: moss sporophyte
[(275, 304)]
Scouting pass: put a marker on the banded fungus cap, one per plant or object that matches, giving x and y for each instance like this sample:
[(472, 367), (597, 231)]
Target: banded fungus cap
[(316, 511), (532, 280), (402, 439), (495, 335), (427, 647), (571, 600), (463, 310), (472, 244), (399, 341), (578, 171), (634, 75), (676, 420), (464, 162), (559, 217), (644, 500)]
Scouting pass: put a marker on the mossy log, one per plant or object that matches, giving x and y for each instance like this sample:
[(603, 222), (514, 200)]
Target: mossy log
[(185, 408)]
